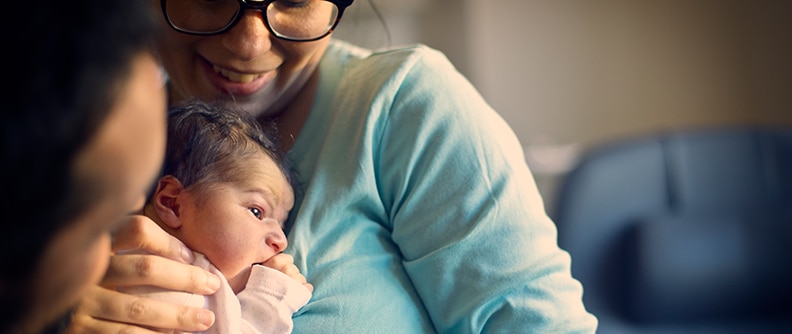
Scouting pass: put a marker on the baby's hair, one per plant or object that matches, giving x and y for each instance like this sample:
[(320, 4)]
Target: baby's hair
[(208, 140)]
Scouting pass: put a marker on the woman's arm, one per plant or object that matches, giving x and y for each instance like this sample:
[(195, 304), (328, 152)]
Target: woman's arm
[(104, 310), (466, 213)]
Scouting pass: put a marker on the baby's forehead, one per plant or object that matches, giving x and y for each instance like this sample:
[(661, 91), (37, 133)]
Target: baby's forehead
[(258, 168), (256, 163)]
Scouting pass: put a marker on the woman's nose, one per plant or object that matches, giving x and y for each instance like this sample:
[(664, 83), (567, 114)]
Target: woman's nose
[(249, 38)]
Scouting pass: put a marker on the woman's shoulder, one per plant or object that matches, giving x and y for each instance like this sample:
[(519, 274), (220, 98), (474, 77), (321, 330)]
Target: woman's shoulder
[(351, 51), (387, 60)]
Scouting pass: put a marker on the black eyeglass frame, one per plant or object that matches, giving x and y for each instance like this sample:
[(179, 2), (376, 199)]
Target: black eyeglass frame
[(260, 6)]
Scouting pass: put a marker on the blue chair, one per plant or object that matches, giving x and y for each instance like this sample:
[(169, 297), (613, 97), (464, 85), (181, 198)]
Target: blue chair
[(683, 232)]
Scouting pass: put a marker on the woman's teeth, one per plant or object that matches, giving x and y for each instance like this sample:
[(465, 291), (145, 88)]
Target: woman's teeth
[(235, 76)]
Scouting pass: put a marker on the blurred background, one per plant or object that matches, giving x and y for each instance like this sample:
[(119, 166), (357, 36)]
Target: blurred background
[(571, 74), (688, 231)]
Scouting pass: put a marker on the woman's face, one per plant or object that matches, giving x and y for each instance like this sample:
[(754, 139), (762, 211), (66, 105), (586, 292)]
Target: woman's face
[(246, 64), (124, 155)]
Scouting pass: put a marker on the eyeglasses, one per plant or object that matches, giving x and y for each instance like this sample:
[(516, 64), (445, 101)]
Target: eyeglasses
[(291, 20)]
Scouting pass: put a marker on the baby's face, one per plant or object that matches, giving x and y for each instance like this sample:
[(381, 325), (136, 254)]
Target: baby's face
[(240, 224)]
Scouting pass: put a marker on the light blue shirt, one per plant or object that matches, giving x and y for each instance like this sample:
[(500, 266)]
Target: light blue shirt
[(419, 212)]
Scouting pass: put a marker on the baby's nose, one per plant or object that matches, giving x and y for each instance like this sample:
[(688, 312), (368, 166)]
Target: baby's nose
[(275, 238), (277, 241)]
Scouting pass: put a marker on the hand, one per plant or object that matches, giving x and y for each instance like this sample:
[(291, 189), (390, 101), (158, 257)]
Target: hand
[(285, 264), (165, 264)]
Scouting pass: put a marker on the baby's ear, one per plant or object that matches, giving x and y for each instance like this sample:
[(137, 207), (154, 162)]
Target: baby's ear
[(166, 200)]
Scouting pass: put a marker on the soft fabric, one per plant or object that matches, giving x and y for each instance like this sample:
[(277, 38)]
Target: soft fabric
[(265, 305), (420, 213), (707, 267), (684, 231)]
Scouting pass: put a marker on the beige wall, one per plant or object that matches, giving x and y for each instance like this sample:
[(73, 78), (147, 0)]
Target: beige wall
[(587, 71), (575, 73)]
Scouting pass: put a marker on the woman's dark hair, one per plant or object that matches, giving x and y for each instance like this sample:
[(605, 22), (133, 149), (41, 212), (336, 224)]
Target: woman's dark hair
[(65, 66), (209, 141)]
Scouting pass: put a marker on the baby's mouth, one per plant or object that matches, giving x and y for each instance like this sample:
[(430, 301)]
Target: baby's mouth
[(235, 76)]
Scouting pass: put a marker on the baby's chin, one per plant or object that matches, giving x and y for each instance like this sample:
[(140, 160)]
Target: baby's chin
[(238, 281)]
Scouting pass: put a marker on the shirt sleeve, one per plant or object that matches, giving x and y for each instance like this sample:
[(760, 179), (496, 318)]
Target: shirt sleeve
[(269, 300), (466, 213)]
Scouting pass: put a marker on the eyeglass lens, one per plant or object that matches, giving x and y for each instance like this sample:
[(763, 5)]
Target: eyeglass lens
[(296, 19)]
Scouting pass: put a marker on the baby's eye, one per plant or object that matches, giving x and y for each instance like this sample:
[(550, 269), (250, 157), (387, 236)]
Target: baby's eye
[(256, 212)]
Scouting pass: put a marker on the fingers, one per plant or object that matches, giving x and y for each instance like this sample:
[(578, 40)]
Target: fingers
[(279, 261), (128, 267), (107, 311), (139, 269), (292, 271), (285, 264), (88, 325), (141, 233), (104, 310)]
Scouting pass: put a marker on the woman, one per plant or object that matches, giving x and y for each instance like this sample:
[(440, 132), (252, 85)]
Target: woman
[(419, 213)]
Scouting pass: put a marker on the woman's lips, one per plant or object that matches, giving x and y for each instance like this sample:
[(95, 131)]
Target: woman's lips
[(237, 83), (235, 76)]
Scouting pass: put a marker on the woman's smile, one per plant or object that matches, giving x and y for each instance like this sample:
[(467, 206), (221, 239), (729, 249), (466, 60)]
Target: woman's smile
[(235, 82)]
